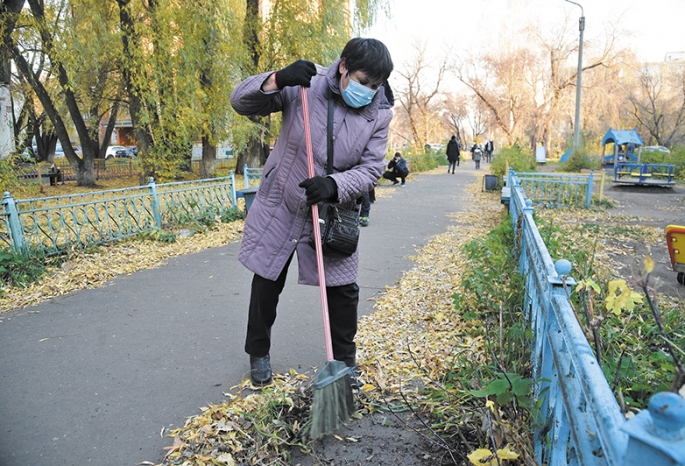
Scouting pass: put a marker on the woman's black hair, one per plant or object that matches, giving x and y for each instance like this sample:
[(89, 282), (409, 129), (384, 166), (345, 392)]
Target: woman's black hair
[(368, 55)]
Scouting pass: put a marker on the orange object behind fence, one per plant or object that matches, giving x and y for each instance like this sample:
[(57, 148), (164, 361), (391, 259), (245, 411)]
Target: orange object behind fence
[(675, 238)]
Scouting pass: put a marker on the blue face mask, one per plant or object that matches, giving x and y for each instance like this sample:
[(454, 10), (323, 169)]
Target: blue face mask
[(356, 95)]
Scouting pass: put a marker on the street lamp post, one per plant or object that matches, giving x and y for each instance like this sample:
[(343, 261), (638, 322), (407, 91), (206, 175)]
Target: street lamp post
[(576, 134)]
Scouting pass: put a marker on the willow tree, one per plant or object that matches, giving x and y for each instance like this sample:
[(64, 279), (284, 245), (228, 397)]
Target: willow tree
[(179, 62), (72, 35), (313, 30)]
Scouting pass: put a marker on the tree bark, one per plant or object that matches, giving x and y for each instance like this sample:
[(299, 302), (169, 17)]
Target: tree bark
[(144, 139), (9, 10), (208, 162)]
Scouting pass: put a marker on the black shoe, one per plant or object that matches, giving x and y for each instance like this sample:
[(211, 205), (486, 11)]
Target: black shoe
[(260, 370), (354, 378), (395, 182)]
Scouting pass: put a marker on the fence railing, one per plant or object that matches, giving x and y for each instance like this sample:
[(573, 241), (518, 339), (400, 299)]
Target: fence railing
[(107, 169), (104, 169), (555, 189), (55, 224), (252, 176), (581, 421)]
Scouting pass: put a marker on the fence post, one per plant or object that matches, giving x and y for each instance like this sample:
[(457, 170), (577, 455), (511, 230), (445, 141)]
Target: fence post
[(156, 211), (234, 197), (245, 178), (656, 436), (14, 225), (590, 181)]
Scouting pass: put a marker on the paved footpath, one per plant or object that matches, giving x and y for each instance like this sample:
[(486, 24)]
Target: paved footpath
[(93, 377)]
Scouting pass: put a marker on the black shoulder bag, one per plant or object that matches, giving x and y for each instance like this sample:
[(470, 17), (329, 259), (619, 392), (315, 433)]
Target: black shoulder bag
[(339, 227)]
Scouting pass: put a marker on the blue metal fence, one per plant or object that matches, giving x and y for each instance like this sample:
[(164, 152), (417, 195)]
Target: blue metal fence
[(252, 176), (582, 423), (554, 189), (54, 224)]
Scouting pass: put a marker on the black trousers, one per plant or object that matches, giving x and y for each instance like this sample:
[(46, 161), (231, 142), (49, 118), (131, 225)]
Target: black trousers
[(342, 313), (395, 173)]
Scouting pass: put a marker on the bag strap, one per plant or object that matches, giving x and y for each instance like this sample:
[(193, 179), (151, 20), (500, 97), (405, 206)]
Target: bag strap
[(329, 165)]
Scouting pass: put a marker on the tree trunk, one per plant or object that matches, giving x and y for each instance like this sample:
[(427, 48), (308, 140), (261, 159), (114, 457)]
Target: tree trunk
[(111, 122), (85, 173), (253, 153), (208, 162), (9, 10), (251, 156), (144, 139)]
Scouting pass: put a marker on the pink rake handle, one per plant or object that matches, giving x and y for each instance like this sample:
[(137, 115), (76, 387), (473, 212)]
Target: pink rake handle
[(317, 229)]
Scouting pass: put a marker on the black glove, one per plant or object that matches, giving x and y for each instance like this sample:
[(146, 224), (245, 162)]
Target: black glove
[(319, 189), (298, 73)]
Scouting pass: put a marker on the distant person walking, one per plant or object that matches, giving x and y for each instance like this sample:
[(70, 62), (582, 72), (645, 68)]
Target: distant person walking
[(477, 152), (453, 154), (489, 148), (397, 168)]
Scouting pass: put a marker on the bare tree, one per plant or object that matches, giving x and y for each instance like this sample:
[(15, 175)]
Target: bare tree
[(418, 93), (498, 81), (658, 102), (558, 77), (455, 116), (478, 118)]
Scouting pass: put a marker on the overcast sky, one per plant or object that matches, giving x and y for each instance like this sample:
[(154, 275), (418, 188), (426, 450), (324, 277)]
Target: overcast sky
[(656, 26)]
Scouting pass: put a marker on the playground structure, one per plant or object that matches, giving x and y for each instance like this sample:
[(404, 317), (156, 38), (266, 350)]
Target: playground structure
[(651, 174), (625, 143), (675, 239), (626, 161)]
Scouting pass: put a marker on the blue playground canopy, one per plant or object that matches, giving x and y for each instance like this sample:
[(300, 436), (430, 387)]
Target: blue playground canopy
[(621, 139), (622, 136)]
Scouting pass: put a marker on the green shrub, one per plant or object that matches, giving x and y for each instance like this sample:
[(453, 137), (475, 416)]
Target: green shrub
[(427, 161), (159, 235), (676, 157), (8, 175), (521, 160), (178, 215), (21, 269), (578, 162)]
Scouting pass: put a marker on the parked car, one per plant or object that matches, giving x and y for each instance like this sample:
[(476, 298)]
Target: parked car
[(660, 149), (125, 153), (112, 151)]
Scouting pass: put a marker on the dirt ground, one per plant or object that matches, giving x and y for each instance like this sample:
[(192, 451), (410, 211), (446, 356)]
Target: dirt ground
[(653, 206), (649, 206), (383, 439)]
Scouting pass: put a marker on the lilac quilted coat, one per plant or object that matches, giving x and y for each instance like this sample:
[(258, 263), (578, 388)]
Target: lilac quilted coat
[(279, 221)]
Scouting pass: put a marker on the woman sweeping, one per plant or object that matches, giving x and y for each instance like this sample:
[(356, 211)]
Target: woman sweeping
[(279, 222)]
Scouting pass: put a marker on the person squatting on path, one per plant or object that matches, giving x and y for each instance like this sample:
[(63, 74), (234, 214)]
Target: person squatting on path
[(453, 154), (397, 168), (279, 221)]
